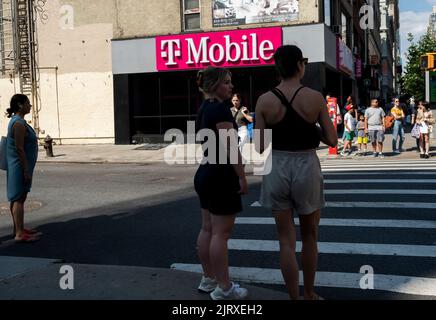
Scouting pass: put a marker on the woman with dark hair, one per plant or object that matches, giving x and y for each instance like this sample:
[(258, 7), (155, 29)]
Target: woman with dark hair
[(21, 153), (299, 120), (242, 118), (219, 184)]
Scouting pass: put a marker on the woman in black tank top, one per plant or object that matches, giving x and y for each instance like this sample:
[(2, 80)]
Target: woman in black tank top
[(299, 120), (219, 186)]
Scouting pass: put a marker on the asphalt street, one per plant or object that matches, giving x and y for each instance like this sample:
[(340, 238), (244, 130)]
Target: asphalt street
[(380, 213)]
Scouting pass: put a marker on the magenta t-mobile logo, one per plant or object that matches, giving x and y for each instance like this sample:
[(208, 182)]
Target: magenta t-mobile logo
[(170, 50)]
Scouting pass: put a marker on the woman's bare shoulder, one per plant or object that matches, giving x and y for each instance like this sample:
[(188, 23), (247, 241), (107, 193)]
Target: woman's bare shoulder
[(266, 100)]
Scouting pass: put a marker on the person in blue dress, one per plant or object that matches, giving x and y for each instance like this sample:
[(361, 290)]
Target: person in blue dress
[(21, 154)]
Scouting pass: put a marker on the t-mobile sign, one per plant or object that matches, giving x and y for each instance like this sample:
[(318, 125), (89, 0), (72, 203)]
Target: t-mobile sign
[(250, 47)]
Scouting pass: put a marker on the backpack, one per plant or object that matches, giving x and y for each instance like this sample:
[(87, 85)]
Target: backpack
[(389, 121)]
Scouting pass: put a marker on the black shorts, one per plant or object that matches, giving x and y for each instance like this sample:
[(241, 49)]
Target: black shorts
[(217, 187)]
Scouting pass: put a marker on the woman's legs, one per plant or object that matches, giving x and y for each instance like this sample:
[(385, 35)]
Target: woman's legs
[(427, 143), (288, 259), (309, 257), (219, 259), (17, 208), (203, 244), (422, 143)]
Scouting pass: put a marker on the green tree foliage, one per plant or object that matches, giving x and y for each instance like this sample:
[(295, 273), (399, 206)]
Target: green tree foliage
[(414, 78)]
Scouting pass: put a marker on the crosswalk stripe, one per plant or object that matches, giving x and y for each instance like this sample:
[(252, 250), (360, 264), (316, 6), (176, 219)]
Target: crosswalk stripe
[(380, 191), (382, 205), (358, 173), (378, 162), (372, 169), (340, 248), (407, 224), (374, 205), (409, 181), (392, 283)]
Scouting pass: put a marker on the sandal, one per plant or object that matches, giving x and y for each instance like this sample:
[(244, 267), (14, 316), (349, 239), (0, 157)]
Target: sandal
[(316, 297), (31, 231), (27, 238)]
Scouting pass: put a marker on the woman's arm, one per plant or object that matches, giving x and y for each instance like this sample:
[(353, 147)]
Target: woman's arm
[(19, 135), (231, 145), (259, 132), (247, 115)]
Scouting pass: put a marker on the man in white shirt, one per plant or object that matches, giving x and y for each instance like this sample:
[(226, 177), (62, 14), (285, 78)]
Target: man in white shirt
[(350, 129), (375, 127)]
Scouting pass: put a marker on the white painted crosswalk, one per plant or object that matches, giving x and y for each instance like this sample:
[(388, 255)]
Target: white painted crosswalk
[(363, 180), (419, 286), (377, 165)]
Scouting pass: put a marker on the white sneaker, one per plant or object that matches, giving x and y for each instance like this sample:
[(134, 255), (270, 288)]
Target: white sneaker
[(381, 155), (234, 293), (207, 285)]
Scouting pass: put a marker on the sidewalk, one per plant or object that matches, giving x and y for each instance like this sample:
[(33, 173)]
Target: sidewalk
[(39, 279), (139, 154)]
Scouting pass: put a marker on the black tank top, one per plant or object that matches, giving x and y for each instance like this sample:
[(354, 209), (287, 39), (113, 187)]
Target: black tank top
[(293, 133)]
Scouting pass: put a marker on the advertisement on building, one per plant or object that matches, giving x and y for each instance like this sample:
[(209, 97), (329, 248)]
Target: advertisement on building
[(345, 59), (239, 48), (241, 12)]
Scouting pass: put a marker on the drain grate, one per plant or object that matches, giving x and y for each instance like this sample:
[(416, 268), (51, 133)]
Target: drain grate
[(153, 146)]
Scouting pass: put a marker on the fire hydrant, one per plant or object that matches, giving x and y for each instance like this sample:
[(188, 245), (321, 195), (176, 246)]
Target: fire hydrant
[(48, 146)]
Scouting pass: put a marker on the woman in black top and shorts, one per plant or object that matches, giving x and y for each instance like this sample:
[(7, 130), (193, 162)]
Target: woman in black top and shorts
[(299, 120), (219, 184)]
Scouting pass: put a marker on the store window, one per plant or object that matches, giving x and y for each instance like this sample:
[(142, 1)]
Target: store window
[(327, 12), (344, 27), (191, 15)]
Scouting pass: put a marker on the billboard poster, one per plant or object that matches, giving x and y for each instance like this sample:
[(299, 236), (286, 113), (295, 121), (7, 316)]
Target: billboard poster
[(242, 12)]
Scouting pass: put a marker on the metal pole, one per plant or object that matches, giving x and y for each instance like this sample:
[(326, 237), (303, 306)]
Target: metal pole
[(427, 86)]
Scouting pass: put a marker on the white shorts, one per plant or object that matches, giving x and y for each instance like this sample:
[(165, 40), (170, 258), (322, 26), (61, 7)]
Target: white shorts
[(423, 128), (295, 182)]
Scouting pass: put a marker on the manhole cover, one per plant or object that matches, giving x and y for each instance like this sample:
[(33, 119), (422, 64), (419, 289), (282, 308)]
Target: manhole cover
[(29, 206)]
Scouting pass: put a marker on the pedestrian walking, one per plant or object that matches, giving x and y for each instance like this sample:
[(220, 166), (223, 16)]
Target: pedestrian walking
[(362, 136), (425, 122), (350, 128), (21, 153), (295, 184), (218, 185), (398, 131), (375, 127), (242, 117)]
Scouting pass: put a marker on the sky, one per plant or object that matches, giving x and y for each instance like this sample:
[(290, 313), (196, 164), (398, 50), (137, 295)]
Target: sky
[(414, 18)]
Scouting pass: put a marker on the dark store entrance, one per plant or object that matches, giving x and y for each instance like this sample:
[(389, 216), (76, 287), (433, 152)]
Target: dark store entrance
[(158, 102)]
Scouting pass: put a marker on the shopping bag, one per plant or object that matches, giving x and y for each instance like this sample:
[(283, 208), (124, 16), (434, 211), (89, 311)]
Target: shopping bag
[(3, 160), (416, 132)]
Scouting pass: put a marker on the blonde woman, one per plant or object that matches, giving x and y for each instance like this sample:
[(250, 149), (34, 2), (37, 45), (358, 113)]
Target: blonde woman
[(425, 120), (218, 185)]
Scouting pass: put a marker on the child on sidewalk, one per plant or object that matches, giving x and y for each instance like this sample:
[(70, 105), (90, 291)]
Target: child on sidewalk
[(362, 137), (350, 127)]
